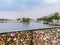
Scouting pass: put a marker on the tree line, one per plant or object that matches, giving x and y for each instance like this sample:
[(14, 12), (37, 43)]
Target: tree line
[(50, 19), (24, 19)]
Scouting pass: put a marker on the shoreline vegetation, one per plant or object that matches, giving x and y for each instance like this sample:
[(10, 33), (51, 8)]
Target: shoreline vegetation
[(52, 19), (17, 20)]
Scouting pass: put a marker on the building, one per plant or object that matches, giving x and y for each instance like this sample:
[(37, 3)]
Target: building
[(6, 20)]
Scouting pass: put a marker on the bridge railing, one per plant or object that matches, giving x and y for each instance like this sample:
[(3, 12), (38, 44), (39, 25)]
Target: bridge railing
[(46, 36)]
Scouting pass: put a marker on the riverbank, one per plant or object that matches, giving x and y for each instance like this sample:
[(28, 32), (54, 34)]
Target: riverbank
[(52, 23)]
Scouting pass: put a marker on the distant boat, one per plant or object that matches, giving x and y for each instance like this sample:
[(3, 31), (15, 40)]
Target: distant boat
[(45, 22), (51, 23)]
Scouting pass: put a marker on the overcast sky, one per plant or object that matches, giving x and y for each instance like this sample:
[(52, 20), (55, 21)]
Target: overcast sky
[(28, 8)]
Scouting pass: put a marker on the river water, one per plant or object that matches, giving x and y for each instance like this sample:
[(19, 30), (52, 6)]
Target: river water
[(9, 27)]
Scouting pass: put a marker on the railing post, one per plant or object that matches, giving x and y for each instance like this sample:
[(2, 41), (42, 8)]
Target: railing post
[(31, 42)]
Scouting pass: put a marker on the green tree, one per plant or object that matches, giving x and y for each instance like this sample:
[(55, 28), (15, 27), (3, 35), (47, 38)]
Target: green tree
[(54, 16), (26, 20), (18, 19)]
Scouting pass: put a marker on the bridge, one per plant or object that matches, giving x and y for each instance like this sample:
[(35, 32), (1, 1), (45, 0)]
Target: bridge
[(43, 36)]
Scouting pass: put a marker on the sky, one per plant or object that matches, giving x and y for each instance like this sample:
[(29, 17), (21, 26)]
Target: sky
[(11, 9)]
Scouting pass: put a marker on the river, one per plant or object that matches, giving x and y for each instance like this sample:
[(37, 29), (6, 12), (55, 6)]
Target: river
[(8, 27)]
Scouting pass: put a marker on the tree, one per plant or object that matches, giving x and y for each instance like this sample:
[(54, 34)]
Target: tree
[(26, 20), (18, 19), (54, 16), (38, 18)]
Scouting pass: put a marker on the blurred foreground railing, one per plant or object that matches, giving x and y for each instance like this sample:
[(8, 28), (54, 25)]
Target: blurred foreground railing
[(46, 36)]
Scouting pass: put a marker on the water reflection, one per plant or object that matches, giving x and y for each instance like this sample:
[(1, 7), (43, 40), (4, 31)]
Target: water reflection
[(21, 26)]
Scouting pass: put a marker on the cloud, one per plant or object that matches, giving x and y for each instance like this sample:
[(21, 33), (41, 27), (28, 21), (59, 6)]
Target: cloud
[(50, 1), (34, 13), (24, 4), (28, 8)]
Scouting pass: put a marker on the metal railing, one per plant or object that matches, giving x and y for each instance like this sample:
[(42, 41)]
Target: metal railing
[(45, 36)]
